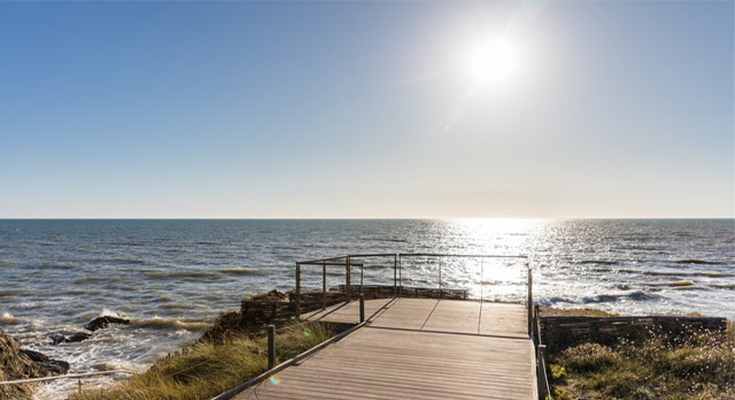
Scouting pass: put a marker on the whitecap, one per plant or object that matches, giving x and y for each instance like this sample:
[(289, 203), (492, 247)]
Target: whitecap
[(9, 319)]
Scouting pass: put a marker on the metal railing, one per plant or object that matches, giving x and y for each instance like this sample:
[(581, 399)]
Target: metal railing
[(348, 262), (78, 377), (542, 377)]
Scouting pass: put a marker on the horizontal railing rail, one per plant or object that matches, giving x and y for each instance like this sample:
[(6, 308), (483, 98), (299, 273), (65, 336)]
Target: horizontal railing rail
[(67, 376), (347, 262)]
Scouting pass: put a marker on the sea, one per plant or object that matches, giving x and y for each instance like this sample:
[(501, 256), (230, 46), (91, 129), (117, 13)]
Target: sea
[(172, 278)]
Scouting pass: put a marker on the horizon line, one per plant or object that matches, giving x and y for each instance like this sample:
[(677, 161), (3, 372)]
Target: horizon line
[(316, 218)]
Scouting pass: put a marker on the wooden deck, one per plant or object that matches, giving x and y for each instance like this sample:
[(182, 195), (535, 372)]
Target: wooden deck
[(416, 349)]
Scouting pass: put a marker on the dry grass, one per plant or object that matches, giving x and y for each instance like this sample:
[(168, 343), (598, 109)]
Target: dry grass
[(206, 369), (700, 367)]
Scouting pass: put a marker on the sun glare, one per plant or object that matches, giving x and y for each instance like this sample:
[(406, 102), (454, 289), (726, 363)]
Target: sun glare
[(492, 62)]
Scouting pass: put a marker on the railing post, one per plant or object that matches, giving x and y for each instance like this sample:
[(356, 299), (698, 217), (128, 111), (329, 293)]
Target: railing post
[(271, 329), (324, 284), (482, 278), (395, 275), (530, 298), (541, 370), (362, 308), (348, 272), (362, 275), (536, 325), (298, 290), (441, 263), (400, 276)]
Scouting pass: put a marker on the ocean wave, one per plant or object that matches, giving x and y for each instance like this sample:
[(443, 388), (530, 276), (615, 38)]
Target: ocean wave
[(378, 267), (126, 260), (729, 286), (131, 243), (713, 274), (245, 271), (54, 265), (84, 291), (603, 298), (610, 298), (178, 306), (36, 325), (670, 274), (679, 283), (169, 323), (695, 273), (701, 262), (106, 312), (602, 262), (104, 279), (181, 274), (114, 365), (10, 292), (385, 240), (641, 247), (9, 319)]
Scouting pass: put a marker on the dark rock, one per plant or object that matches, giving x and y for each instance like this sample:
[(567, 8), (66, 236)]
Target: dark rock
[(54, 367), (77, 337), (48, 365), (17, 363), (104, 322), (56, 339), (35, 355), (13, 363)]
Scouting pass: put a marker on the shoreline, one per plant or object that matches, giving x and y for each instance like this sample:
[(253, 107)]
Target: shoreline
[(223, 326)]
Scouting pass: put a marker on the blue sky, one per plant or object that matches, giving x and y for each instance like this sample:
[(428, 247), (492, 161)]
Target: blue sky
[(365, 109)]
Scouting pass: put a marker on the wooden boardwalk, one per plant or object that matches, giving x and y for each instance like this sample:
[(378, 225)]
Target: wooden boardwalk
[(416, 349)]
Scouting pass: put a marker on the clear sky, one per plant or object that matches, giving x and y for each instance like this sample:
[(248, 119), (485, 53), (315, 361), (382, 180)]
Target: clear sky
[(367, 109)]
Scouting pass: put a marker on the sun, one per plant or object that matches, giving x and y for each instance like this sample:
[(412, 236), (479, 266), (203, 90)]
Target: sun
[(492, 62)]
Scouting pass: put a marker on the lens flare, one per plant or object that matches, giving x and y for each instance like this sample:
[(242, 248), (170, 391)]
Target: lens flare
[(492, 62), (275, 380)]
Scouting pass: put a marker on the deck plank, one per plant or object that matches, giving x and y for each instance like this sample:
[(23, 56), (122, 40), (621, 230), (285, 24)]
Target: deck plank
[(416, 348)]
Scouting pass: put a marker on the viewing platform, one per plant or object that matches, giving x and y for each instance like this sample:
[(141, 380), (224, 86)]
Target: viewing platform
[(441, 347)]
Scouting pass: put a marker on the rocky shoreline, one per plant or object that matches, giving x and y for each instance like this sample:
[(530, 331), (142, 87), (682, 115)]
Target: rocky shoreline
[(17, 363)]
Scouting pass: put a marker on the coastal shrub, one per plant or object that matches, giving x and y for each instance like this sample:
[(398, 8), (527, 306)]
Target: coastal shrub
[(559, 394), (699, 367), (558, 373), (589, 357), (205, 368)]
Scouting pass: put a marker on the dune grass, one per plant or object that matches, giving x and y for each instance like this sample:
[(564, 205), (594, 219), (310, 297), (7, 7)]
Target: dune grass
[(205, 369), (701, 367)]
